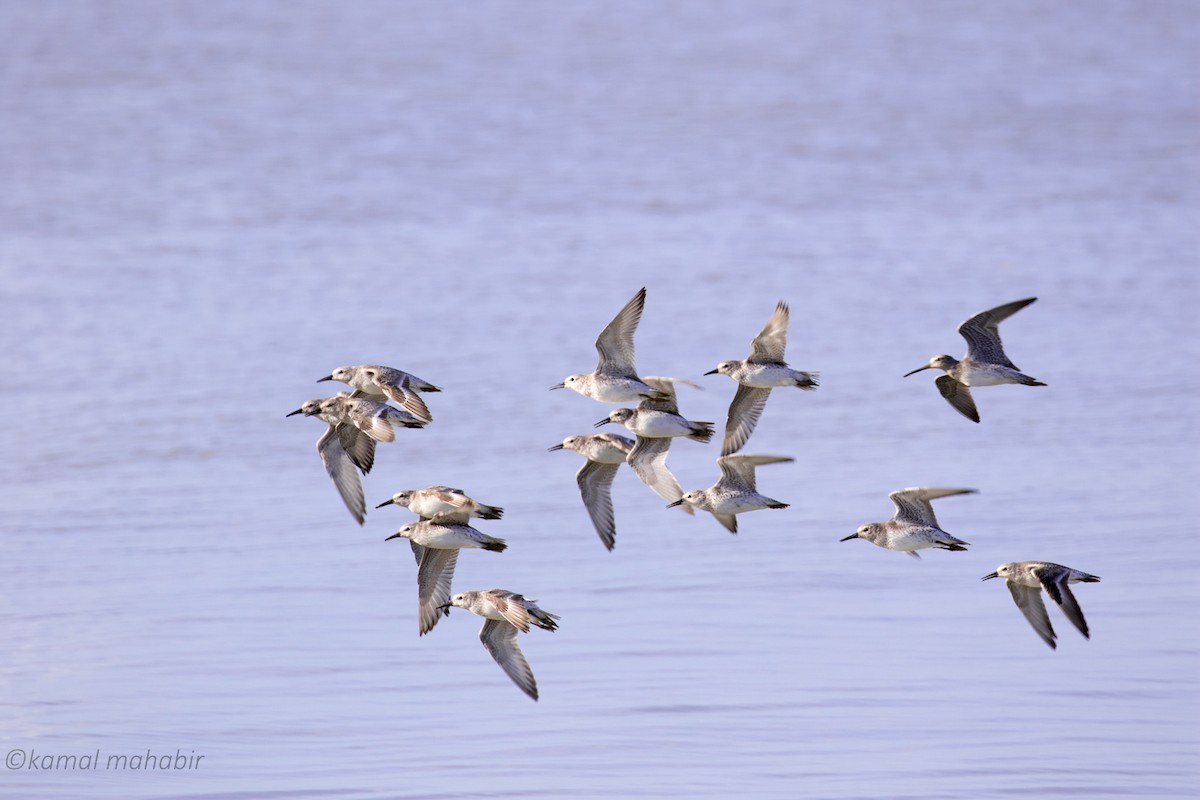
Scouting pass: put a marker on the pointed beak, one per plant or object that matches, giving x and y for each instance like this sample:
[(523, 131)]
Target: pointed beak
[(385, 503), (555, 447), (294, 413), (678, 502), (604, 421), (393, 536), (558, 386), (445, 607), (918, 369), (326, 378), (993, 575), (712, 372), (848, 538)]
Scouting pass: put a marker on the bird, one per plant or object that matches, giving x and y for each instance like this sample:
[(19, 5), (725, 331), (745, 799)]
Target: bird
[(756, 375), (656, 422), (734, 492), (345, 451), (435, 543), (914, 526), (379, 382), (604, 454), (984, 364), (447, 501), (615, 378), (1027, 579), (505, 613)]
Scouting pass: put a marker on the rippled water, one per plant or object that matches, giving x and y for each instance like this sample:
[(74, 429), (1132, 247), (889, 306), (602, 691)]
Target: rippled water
[(207, 206)]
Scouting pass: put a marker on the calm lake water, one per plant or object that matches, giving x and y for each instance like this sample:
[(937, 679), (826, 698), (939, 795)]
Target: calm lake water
[(206, 206)]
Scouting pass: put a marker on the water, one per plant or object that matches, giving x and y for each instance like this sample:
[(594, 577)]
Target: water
[(207, 206)]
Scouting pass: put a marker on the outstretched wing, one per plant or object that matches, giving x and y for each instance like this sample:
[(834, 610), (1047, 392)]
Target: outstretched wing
[(433, 585), (343, 471), (958, 395), (1029, 600), (913, 506), (747, 406), (500, 639), (615, 343), (648, 459), (595, 486), (982, 333), (768, 346)]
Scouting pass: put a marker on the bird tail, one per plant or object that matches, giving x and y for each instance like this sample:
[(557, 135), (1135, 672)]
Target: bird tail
[(808, 380), (495, 545), (701, 431), (490, 512)]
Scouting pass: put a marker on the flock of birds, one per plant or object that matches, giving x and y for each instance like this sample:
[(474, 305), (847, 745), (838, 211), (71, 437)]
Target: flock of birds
[(360, 418)]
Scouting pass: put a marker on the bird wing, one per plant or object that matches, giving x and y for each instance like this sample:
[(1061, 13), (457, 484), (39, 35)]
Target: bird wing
[(737, 471), (982, 333), (511, 606), (359, 446), (648, 459), (768, 346), (370, 417), (958, 395), (434, 574), (728, 520), (595, 486), (500, 639), (667, 400), (342, 470), (913, 506), (747, 406), (1029, 600), (615, 343), (1054, 581)]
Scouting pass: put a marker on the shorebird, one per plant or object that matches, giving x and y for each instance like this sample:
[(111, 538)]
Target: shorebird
[(386, 383), (345, 451), (1027, 579), (984, 364), (435, 543), (449, 502), (615, 379), (914, 526), (505, 613), (734, 493), (605, 453), (756, 375), (656, 422)]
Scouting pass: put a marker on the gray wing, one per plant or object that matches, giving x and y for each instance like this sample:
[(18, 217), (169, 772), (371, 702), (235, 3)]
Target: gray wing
[(370, 417), (615, 343), (958, 395), (728, 520), (418, 551), (912, 505), (1029, 600), (396, 385), (342, 470), (982, 333), (768, 346), (595, 486), (667, 401), (1056, 586), (648, 459), (747, 406), (500, 639), (737, 471), (433, 585), (359, 446)]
